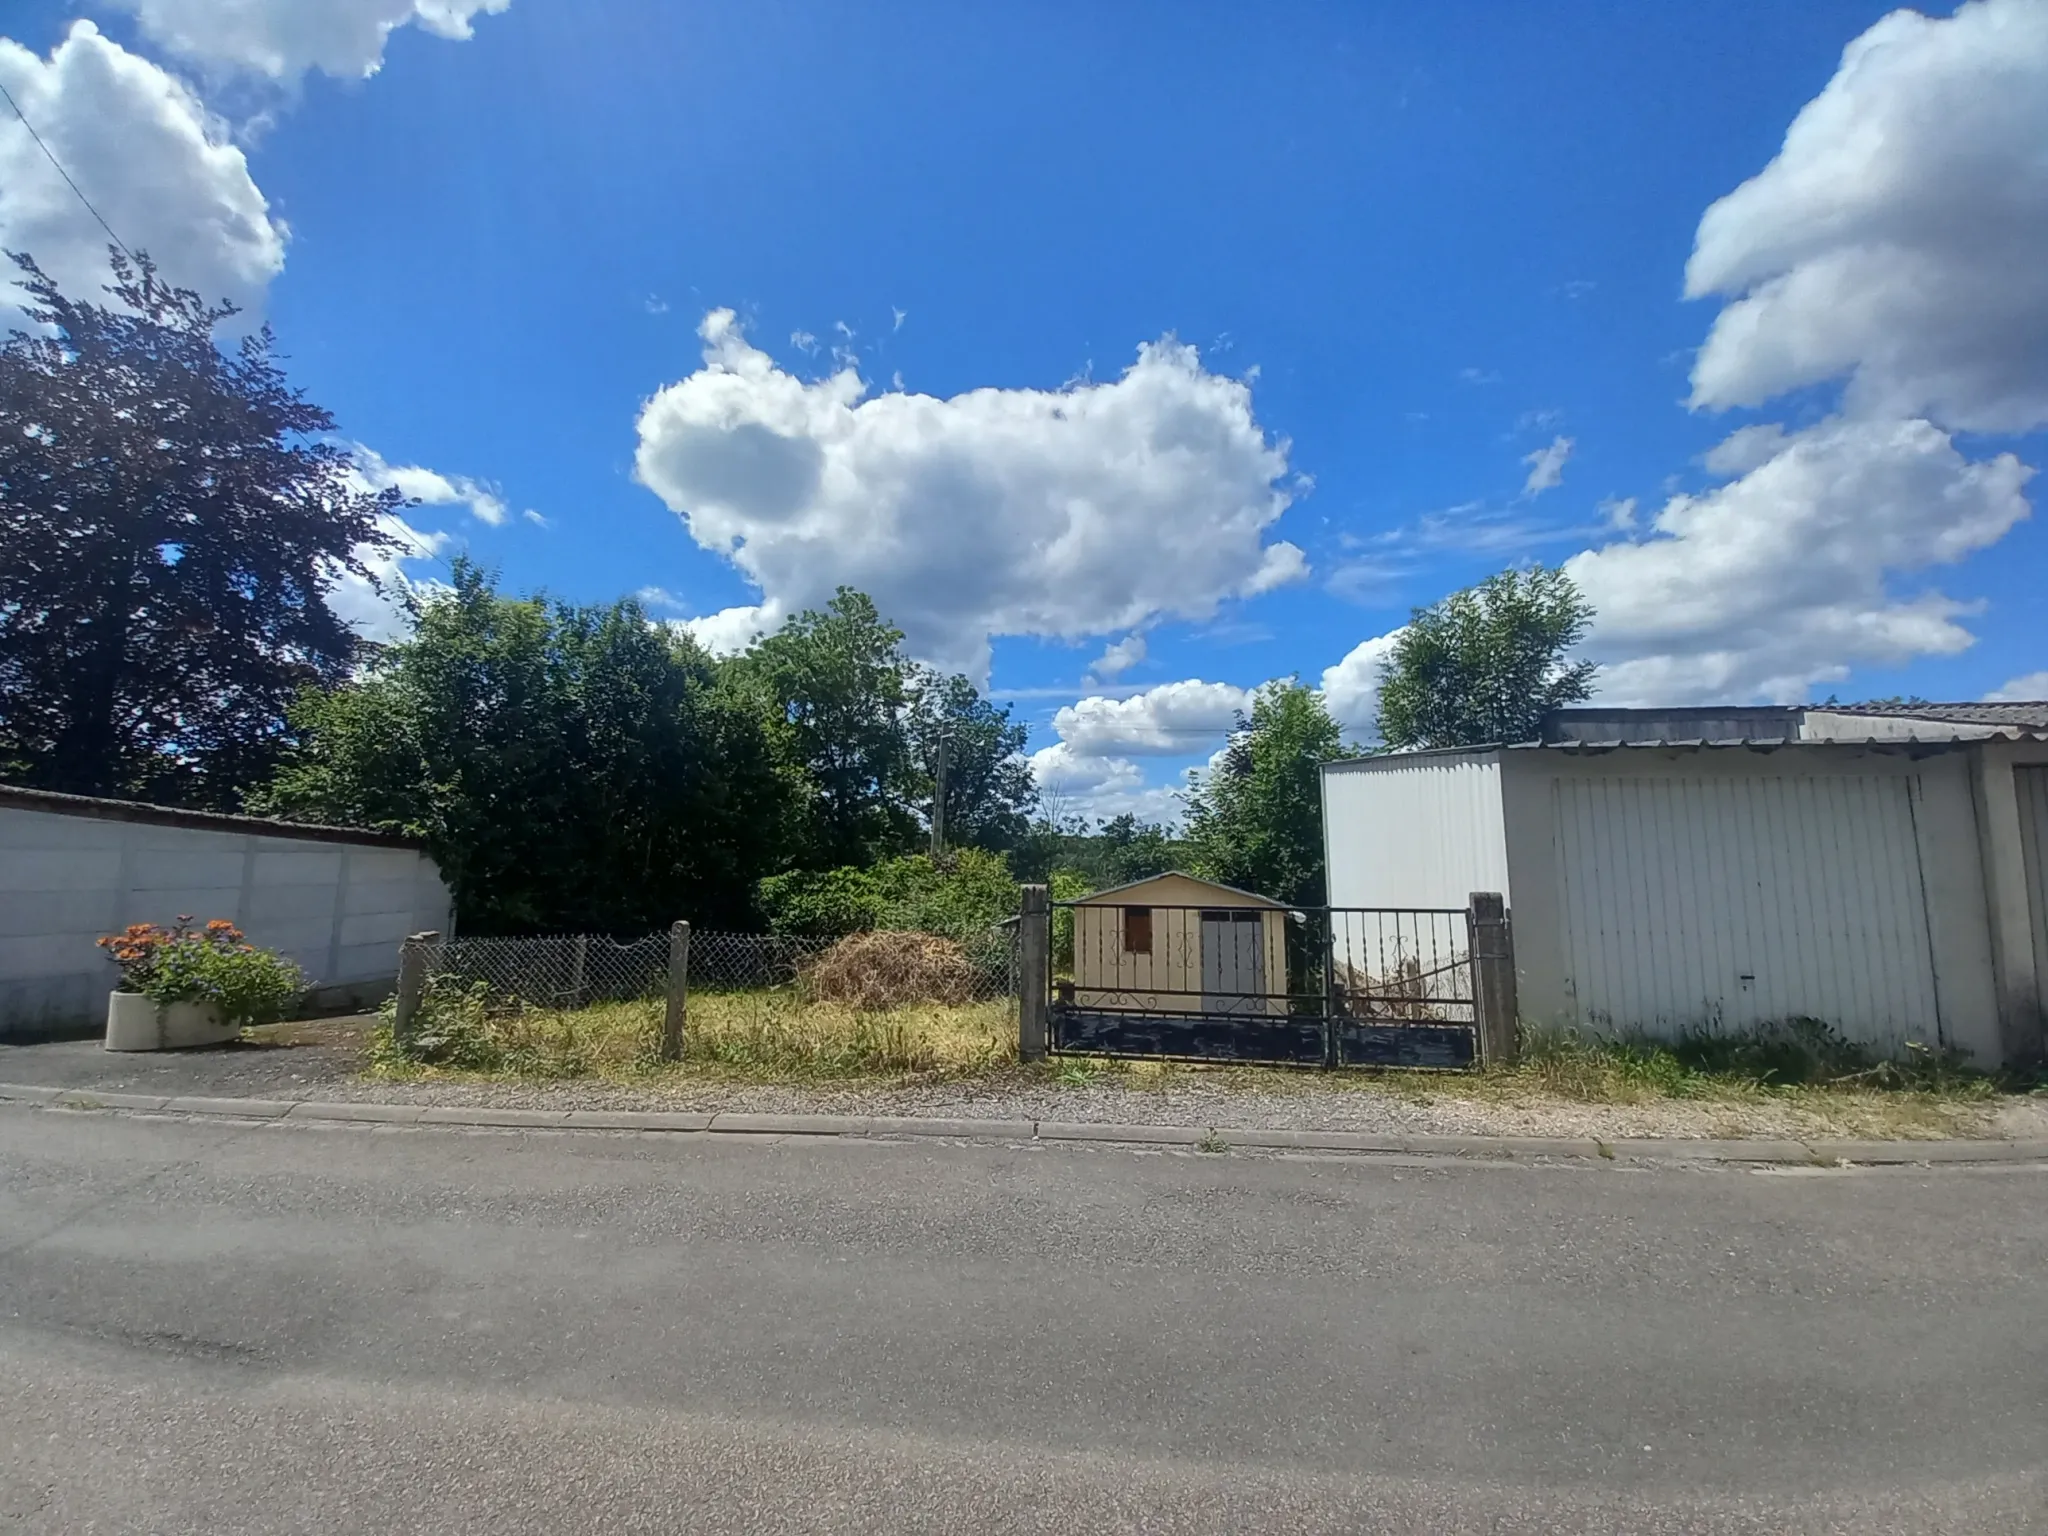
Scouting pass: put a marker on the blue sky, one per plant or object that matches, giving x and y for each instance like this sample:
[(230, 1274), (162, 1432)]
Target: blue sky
[(1431, 263)]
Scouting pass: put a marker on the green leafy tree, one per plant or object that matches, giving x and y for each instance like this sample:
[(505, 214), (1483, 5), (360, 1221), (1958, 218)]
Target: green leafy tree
[(570, 768), (840, 682), (990, 792), (1487, 663), (1255, 820), (172, 518), (1130, 849)]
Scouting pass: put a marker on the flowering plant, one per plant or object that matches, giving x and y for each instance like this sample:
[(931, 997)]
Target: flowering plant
[(212, 964)]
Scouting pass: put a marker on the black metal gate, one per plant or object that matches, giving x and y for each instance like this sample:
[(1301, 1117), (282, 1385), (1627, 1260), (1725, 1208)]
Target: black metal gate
[(1321, 986)]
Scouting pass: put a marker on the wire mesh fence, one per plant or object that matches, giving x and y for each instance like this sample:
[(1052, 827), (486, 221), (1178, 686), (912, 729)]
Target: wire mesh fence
[(571, 971), (556, 971)]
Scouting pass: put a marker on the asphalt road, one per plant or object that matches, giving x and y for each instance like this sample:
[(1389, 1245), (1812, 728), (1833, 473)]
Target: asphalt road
[(215, 1328)]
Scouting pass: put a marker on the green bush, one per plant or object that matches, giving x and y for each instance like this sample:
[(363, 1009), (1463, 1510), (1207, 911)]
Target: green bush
[(962, 898)]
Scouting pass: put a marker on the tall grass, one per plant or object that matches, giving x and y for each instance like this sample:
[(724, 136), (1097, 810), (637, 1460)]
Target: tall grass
[(1787, 1055), (766, 1035)]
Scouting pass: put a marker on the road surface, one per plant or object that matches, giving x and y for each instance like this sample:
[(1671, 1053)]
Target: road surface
[(218, 1328)]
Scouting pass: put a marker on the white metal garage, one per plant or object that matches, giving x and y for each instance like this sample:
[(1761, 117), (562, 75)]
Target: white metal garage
[(1662, 886), (1740, 900)]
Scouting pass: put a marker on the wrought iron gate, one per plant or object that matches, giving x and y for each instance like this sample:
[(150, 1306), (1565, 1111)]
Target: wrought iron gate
[(1322, 986)]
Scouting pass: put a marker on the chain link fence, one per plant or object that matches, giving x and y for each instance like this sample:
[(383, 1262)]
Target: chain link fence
[(563, 972), (570, 970)]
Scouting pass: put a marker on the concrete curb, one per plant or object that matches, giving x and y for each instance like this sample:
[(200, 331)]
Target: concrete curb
[(1223, 1138)]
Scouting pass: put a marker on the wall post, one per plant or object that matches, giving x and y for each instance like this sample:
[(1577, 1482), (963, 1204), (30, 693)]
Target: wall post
[(1034, 962), (678, 992), (412, 985), (1492, 939)]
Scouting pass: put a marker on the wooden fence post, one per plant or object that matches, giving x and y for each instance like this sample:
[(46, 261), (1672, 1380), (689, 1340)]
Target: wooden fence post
[(1491, 935), (1034, 970), (412, 985), (678, 992)]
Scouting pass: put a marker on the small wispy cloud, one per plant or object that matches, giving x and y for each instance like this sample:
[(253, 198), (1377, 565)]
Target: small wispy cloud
[(1619, 513), (660, 598), (654, 304), (901, 315), (534, 518), (803, 341), (1117, 659), (1546, 466), (1479, 375)]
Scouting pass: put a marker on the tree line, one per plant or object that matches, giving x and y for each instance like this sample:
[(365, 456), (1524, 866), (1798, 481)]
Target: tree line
[(174, 516)]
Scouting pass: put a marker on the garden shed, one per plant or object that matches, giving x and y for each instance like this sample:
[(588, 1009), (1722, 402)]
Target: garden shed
[(1891, 889), (1176, 944)]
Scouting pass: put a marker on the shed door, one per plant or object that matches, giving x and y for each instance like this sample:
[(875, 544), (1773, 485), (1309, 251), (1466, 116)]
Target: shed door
[(1692, 902), (1233, 961), (2032, 787)]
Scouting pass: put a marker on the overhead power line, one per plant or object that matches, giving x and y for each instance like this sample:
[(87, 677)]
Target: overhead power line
[(51, 154)]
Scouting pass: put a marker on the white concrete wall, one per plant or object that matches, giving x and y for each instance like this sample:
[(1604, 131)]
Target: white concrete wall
[(1414, 830), (338, 908), (1700, 895)]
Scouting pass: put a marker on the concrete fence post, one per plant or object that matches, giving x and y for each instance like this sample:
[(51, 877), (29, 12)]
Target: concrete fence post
[(1492, 939), (1034, 970), (412, 984), (678, 992)]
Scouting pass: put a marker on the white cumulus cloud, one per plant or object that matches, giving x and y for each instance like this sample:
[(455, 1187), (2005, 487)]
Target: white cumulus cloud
[(1351, 688), (1096, 788), (1173, 719), (160, 168), (1897, 239), (2021, 690), (1785, 576), (1062, 513), (283, 39)]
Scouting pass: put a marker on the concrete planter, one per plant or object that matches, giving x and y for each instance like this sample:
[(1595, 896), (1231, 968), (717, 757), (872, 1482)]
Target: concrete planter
[(134, 1023)]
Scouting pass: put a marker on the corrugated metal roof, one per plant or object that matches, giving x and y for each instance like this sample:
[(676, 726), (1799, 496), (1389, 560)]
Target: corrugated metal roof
[(56, 804), (1920, 746), (2021, 713)]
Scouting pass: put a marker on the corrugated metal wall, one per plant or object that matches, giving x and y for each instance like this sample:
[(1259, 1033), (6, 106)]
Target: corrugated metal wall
[(1422, 832), (2032, 787), (1734, 900)]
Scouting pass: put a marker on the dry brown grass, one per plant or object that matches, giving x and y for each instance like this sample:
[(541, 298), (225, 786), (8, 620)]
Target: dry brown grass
[(890, 969)]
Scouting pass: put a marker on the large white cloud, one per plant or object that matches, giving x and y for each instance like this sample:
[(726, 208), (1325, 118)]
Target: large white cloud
[(1170, 720), (1897, 239), (159, 167), (283, 39), (1351, 688), (1090, 787), (1064, 513), (1784, 577)]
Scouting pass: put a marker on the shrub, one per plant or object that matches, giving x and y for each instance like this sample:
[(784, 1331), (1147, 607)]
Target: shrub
[(210, 964), (961, 897)]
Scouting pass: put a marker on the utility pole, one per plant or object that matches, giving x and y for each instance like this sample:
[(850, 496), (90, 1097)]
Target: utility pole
[(939, 800)]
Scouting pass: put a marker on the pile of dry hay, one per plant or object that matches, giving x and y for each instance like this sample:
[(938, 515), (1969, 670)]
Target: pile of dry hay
[(888, 969)]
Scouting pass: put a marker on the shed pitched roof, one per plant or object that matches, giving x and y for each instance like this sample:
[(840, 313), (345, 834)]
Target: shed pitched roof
[(1181, 874)]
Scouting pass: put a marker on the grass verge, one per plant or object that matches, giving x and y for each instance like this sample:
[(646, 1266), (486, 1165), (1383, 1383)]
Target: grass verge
[(771, 1036)]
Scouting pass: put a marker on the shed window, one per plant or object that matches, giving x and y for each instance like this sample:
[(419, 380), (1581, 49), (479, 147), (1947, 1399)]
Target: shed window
[(1137, 930)]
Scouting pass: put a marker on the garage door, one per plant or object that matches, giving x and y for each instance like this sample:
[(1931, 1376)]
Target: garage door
[(2032, 784), (1693, 902)]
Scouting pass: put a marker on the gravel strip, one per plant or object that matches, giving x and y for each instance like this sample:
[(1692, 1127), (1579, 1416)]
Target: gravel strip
[(322, 1064)]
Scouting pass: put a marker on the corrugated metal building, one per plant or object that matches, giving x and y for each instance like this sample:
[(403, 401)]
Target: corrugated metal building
[(1895, 888)]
